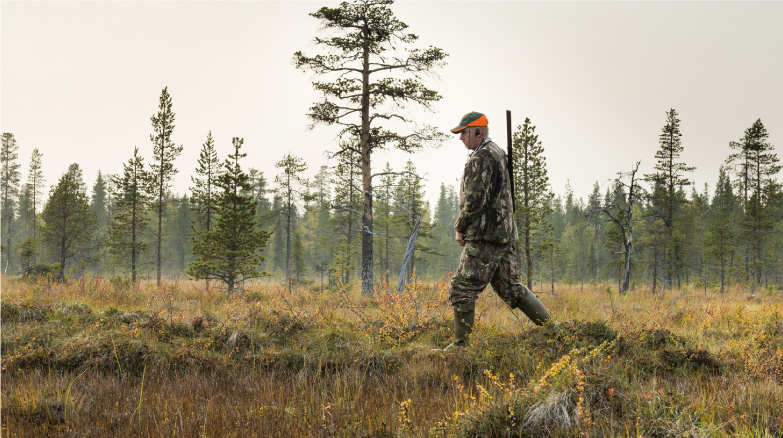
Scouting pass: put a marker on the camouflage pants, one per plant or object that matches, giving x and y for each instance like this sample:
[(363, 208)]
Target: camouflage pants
[(483, 263)]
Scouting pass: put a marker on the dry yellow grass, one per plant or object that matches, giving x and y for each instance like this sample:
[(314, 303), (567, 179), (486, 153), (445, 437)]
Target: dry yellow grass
[(96, 358)]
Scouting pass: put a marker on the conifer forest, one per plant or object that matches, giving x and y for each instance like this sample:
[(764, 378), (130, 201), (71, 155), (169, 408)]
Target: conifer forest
[(650, 232), (314, 300)]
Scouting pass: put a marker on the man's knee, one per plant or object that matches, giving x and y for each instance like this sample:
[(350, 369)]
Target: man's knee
[(463, 292)]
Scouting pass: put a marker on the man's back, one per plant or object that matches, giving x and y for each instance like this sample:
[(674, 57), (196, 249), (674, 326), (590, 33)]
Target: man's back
[(486, 209)]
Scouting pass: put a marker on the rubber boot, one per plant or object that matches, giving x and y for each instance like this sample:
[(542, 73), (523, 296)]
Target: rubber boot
[(464, 317), (529, 305)]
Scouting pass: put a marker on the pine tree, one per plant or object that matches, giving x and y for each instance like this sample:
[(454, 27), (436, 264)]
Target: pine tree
[(231, 250), (372, 82), (10, 187), (290, 185), (757, 167), (203, 188), (132, 202), (69, 223), (531, 183), (163, 170), (35, 182), (668, 182)]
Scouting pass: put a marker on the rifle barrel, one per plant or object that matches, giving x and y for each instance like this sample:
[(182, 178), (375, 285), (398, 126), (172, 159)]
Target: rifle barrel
[(510, 160)]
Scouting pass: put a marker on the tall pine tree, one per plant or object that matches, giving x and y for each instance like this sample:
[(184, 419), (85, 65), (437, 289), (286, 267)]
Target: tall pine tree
[(372, 81), (163, 170), (668, 182), (758, 166)]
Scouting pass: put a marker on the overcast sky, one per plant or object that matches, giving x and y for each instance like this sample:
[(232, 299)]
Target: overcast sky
[(80, 80)]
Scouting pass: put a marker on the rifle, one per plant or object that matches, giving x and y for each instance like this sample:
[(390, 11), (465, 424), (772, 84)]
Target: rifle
[(510, 160)]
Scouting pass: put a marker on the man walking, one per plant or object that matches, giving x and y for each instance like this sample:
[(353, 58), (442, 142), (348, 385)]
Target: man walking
[(487, 231)]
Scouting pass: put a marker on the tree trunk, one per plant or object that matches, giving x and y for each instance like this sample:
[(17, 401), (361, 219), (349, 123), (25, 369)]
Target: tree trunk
[(655, 261), (133, 241), (367, 241), (288, 239)]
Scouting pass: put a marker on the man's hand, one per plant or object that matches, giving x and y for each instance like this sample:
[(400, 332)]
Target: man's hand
[(459, 239)]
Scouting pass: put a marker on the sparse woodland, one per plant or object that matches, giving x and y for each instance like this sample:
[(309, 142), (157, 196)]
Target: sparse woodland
[(268, 305)]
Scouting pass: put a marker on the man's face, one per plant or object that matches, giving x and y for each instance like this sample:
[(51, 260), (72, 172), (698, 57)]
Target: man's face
[(468, 138)]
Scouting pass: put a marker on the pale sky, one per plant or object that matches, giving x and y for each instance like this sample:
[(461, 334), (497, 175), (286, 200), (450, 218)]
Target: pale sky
[(80, 80)]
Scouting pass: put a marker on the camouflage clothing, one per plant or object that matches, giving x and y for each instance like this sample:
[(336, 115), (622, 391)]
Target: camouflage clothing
[(486, 221), (485, 208), (483, 263)]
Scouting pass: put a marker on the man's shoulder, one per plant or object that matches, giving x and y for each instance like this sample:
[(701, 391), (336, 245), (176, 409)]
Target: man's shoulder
[(490, 151)]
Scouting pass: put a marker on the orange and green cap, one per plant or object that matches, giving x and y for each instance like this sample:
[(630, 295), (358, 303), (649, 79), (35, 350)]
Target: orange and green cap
[(471, 119)]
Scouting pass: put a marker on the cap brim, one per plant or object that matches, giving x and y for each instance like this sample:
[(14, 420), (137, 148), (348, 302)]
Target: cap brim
[(481, 121)]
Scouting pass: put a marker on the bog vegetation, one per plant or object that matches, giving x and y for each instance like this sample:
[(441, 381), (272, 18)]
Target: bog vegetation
[(289, 306), (97, 357)]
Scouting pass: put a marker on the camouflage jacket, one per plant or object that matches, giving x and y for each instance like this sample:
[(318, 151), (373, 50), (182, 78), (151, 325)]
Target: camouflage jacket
[(485, 209)]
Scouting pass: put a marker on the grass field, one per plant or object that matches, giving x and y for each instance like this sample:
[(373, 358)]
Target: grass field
[(95, 358)]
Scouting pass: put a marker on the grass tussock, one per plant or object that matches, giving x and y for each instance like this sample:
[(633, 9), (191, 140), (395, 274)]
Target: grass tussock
[(98, 357)]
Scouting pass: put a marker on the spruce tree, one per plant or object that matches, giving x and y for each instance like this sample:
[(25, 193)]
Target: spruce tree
[(372, 81), (69, 223), (719, 239), (594, 215), (263, 206), (163, 170), (533, 196), (231, 250), (443, 230), (130, 216), (98, 201), (98, 204), (9, 178), (409, 205)]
